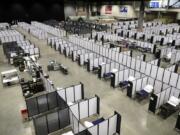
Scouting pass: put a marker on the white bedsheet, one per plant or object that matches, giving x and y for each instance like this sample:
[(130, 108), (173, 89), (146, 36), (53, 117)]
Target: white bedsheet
[(148, 88), (174, 101), (68, 133), (88, 124), (131, 78)]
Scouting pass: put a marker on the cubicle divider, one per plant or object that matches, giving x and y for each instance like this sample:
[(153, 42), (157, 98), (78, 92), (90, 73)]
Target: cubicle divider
[(165, 51), (48, 84), (68, 50), (175, 57), (123, 75), (75, 123), (51, 122), (72, 94), (62, 47), (61, 119), (110, 126), (109, 68), (86, 108), (43, 103), (140, 83), (51, 40), (83, 58), (76, 53), (158, 99), (94, 63), (54, 99), (133, 63)]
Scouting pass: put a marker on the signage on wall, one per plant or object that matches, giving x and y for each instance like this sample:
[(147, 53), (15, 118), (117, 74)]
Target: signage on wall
[(155, 4), (123, 9), (108, 9)]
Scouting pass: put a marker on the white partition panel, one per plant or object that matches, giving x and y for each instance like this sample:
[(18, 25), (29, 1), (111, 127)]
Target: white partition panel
[(75, 110), (126, 74), (143, 67), (166, 76), (175, 92), (83, 108), (110, 53), (117, 56), (128, 61), (103, 67), (134, 88), (133, 63), (153, 71), (81, 127), (158, 95), (107, 52), (75, 125), (160, 74), (178, 83), (124, 60), (112, 125), (121, 74), (162, 96), (107, 69), (104, 51), (113, 55), (138, 65), (148, 69), (120, 58), (62, 94), (138, 84), (78, 92), (131, 72), (167, 95), (93, 106), (157, 86), (173, 79), (144, 82), (103, 128), (151, 81), (137, 74), (93, 130), (70, 94)]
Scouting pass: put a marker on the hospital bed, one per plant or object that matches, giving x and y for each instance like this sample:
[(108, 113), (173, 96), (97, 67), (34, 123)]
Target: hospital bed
[(109, 74), (144, 93), (170, 107), (124, 84)]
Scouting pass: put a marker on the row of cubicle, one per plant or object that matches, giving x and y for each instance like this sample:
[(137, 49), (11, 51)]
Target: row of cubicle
[(66, 110), (144, 73)]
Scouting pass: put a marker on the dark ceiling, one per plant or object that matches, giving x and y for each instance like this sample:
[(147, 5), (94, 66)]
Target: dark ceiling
[(26, 10)]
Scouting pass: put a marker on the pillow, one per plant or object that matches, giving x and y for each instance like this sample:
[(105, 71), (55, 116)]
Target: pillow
[(88, 124), (174, 100)]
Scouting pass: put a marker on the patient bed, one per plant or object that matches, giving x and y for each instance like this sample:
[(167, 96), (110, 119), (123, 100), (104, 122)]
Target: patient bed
[(124, 84), (107, 75), (144, 93), (170, 107)]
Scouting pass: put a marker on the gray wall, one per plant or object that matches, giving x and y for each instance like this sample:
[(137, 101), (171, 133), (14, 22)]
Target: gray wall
[(69, 10)]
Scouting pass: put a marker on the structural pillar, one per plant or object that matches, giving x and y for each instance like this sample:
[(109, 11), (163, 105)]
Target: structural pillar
[(87, 9), (141, 15)]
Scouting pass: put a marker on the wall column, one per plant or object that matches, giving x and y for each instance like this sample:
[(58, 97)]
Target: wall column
[(141, 15)]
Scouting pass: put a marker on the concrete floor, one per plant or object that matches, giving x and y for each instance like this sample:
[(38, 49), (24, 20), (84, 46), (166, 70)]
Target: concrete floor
[(136, 120)]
